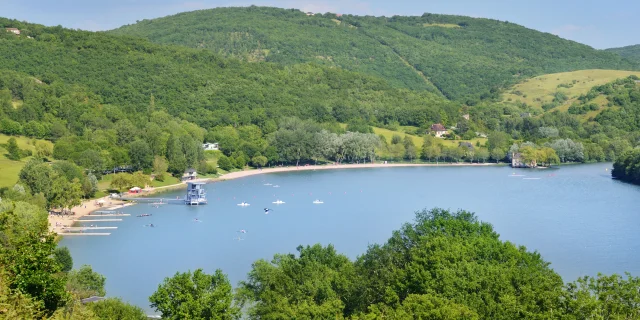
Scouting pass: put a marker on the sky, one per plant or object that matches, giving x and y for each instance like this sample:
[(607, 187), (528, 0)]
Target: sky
[(600, 24)]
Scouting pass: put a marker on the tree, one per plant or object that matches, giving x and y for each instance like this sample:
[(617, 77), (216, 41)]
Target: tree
[(44, 149), (568, 150), (160, 167), (92, 160), (140, 155), (396, 138), (63, 258), (316, 283), (431, 255), (259, 161), (13, 150), (499, 140), (37, 176), (121, 181), (410, 152), (64, 193), (116, 309), (603, 297), (195, 295), (482, 154), (139, 179), (84, 282), (27, 256), (497, 154), (224, 163), (175, 156)]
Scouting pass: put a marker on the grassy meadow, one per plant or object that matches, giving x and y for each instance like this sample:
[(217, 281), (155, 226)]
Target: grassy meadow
[(10, 169), (540, 90)]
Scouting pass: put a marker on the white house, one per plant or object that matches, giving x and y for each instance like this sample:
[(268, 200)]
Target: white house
[(210, 146), (14, 30), (439, 130)]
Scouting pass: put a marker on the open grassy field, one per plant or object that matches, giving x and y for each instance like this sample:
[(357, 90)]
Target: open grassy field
[(9, 169), (540, 90), (388, 134)]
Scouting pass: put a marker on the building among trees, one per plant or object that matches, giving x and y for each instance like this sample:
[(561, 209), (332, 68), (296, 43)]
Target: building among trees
[(439, 130), (518, 161)]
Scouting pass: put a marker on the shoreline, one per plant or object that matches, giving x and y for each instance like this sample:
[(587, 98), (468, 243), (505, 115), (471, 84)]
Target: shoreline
[(91, 205)]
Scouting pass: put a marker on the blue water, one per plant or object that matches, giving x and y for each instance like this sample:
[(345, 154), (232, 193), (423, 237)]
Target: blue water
[(577, 217)]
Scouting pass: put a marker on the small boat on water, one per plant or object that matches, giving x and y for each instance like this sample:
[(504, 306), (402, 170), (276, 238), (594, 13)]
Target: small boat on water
[(243, 204), (268, 184), (278, 202), (276, 186), (318, 201)]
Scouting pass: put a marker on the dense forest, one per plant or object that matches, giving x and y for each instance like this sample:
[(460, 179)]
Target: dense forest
[(444, 265), (627, 167), (629, 52), (464, 58)]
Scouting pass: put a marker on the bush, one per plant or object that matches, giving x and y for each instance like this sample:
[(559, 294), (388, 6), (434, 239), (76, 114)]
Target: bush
[(211, 169), (225, 163)]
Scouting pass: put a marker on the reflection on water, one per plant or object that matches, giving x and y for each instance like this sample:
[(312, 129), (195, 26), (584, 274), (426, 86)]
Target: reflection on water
[(576, 217)]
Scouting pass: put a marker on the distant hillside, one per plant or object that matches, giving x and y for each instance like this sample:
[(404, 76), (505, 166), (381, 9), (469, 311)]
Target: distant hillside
[(463, 57), (629, 52), (558, 91), (205, 88)]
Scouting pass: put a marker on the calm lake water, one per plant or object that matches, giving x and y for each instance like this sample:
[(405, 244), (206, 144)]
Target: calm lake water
[(577, 217)]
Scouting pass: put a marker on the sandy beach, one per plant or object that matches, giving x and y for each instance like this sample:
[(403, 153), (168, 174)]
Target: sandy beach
[(56, 222), (108, 203)]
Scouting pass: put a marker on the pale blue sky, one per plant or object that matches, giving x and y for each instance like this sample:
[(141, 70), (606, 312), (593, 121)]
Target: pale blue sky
[(600, 24)]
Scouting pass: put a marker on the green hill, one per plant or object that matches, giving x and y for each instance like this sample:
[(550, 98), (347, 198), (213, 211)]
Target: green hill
[(202, 87), (543, 92), (629, 52), (465, 58)]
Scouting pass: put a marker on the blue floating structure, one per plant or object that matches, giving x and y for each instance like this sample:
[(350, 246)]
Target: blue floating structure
[(195, 194)]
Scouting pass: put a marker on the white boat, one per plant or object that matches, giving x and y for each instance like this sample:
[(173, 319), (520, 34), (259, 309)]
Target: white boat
[(278, 202), (317, 201), (276, 186), (243, 204), (267, 184)]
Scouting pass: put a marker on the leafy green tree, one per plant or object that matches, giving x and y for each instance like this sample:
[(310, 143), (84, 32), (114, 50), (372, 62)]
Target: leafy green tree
[(175, 156), (224, 163), (482, 154), (315, 284), (13, 151), (627, 166), (431, 255), (27, 256), (44, 149), (497, 154), (140, 155), (65, 194), (37, 176), (195, 295), (63, 257), (139, 179), (116, 309), (259, 161), (84, 282), (396, 138), (602, 297), (121, 181)]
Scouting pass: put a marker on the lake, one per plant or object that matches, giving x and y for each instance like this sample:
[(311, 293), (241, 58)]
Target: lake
[(577, 217)]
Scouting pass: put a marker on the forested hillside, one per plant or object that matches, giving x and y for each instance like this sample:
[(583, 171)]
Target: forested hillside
[(630, 52), (202, 87), (465, 58)]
